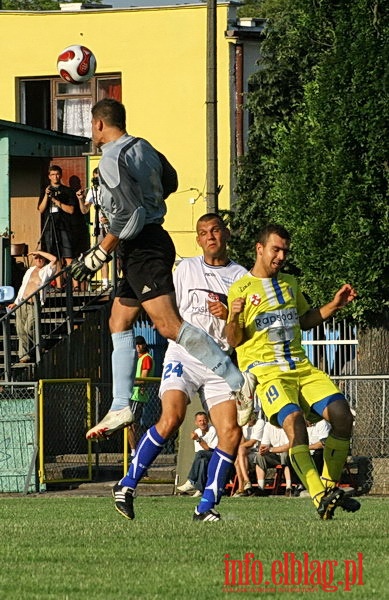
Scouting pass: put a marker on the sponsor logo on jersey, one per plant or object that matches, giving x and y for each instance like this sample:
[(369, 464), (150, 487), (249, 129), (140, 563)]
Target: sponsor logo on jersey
[(275, 319), (244, 287)]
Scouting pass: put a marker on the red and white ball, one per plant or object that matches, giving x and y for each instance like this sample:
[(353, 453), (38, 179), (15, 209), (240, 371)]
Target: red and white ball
[(76, 64)]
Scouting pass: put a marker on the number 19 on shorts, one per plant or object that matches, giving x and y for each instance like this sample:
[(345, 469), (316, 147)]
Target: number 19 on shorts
[(272, 394)]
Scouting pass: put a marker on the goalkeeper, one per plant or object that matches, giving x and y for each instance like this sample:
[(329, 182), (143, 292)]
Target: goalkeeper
[(135, 179)]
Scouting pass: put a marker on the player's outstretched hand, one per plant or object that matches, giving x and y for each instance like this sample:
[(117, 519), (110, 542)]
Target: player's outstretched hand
[(345, 295), (83, 268)]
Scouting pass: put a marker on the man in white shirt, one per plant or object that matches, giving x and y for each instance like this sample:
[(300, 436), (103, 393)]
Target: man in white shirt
[(205, 441), (43, 268), (93, 197), (272, 452), (247, 454)]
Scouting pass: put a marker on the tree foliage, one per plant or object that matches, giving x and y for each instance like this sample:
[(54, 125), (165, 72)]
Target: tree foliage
[(318, 148), (34, 5)]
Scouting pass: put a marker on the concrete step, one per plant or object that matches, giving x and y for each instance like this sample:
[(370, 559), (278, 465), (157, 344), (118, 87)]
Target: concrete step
[(104, 489)]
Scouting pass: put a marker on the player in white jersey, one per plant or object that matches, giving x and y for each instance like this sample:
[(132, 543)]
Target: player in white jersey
[(201, 285), (267, 311)]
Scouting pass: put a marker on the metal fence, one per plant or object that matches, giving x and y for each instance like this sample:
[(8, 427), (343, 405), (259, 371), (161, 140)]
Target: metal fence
[(63, 312), (332, 347), (368, 398), (18, 437), (65, 409), (56, 426)]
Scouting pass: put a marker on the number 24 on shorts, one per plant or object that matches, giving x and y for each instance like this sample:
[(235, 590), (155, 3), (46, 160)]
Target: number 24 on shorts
[(272, 394), (173, 368)]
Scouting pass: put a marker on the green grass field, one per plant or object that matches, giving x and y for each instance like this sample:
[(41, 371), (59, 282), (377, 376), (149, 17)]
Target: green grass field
[(81, 548)]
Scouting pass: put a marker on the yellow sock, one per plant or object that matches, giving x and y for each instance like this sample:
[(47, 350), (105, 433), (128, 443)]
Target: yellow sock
[(335, 454), (303, 464)]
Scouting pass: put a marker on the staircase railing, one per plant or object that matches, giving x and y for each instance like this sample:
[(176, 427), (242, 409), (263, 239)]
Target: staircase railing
[(60, 323)]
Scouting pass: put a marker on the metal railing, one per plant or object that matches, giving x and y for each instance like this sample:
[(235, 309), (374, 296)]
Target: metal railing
[(332, 347), (56, 318)]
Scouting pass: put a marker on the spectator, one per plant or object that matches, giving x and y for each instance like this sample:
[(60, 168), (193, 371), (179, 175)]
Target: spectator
[(56, 205), (100, 227), (205, 441), (140, 396), (65, 231), (34, 278), (273, 451), (247, 454)]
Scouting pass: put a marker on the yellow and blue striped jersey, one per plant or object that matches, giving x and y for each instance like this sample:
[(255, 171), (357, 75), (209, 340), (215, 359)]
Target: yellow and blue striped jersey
[(270, 320)]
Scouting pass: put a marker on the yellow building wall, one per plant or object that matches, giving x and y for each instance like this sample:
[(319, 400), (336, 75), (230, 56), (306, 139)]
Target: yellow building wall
[(161, 54)]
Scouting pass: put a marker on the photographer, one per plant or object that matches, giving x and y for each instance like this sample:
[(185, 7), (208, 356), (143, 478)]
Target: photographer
[(57, 205), (100, 228)]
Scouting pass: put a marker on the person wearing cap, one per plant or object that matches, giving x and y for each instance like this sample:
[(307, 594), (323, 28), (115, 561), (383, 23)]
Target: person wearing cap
[(140, 396), (43, 268)]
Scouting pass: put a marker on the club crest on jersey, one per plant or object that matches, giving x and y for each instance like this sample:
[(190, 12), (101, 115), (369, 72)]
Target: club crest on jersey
[(255, 299)]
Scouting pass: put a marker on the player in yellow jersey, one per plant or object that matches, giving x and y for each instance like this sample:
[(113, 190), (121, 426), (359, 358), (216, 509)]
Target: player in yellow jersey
[(267, 311)]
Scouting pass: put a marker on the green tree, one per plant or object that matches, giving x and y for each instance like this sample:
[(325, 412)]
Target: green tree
[(318, 149), (317, 159), (34, 4)]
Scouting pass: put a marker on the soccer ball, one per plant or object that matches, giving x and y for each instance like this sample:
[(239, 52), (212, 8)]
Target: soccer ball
[(76, 64)]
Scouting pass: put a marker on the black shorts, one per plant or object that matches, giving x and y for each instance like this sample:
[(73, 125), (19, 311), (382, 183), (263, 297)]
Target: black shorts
[(147, 262)]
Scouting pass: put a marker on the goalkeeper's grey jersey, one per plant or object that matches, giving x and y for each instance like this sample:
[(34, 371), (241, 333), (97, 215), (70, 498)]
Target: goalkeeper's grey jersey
[(131, 188)]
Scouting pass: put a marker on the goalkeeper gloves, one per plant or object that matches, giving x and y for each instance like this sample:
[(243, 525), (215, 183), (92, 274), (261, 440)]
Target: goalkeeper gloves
[(85, 267)]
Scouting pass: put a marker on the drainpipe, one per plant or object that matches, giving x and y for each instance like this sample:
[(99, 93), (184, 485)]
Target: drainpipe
[(211, 103), (239, 146)]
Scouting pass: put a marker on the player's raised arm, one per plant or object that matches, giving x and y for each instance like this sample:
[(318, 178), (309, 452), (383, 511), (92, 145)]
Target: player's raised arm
[(234, 329), (316, 316)]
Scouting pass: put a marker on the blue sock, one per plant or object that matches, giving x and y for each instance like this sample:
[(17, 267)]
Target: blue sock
[(200, 345), (124, 360), (146, 452), (218, 470)]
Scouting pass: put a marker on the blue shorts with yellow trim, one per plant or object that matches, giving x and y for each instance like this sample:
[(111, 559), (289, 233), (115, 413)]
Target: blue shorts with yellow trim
[(304, 386)]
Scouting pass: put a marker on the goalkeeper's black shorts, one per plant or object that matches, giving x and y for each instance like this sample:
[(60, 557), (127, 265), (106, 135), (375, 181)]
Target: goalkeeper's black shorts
[(146, 262)]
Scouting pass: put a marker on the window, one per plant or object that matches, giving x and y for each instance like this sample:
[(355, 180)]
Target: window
[(51, 103)]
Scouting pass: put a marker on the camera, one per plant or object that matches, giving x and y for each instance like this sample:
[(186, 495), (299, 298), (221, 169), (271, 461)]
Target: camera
[(54, 192), (95, 181)]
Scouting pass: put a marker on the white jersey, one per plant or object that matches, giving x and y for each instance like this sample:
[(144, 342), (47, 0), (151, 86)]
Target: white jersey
[(210, 437), (254, 432), (196, 284), (274, 436), (318, 432)]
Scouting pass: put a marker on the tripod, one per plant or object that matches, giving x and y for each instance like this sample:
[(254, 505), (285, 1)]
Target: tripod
[(50, 228)]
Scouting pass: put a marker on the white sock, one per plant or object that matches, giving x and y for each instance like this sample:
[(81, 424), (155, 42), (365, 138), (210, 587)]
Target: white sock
[(124, 360)]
